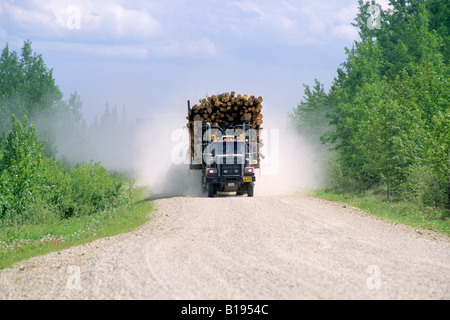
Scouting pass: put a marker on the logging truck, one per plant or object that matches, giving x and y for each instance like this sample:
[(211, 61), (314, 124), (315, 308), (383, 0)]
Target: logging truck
[(227, 151)]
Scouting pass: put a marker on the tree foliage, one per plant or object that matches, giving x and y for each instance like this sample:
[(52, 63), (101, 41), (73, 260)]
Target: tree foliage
[(389, 105), (27, 86), (34, 186)]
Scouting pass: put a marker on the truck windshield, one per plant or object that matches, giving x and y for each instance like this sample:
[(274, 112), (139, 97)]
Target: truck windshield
[(230, 147)]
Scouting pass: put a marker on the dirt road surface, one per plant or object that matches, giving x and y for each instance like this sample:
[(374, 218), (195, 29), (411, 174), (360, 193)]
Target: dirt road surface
[(284, 247)]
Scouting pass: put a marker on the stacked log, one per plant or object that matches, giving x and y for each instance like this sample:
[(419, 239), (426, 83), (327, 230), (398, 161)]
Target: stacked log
[(227, 110)]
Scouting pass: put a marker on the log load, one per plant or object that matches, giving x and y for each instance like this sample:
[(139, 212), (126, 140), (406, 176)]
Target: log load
[(227, 110)]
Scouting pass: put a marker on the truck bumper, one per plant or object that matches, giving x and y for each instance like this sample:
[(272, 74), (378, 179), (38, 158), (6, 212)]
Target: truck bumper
[(230, 179)]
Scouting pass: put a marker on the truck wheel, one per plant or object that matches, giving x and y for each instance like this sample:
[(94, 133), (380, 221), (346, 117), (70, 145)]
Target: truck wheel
[(250, 189), (210, 190)]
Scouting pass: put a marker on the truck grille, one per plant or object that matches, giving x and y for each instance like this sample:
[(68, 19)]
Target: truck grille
[(231, 170)]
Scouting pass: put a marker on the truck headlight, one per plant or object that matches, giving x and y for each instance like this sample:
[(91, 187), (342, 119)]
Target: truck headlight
[(211, 172), (249, 171)]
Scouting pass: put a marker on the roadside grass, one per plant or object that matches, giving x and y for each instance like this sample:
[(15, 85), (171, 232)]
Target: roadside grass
[(22, 242), (398, 211)]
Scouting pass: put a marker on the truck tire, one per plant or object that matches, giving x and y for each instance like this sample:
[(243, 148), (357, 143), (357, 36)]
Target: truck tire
[(210, 190), (250, 189)]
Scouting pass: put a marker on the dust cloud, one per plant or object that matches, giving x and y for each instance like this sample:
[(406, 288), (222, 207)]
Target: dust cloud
[(155, 151), (162, 160), (290, 163)]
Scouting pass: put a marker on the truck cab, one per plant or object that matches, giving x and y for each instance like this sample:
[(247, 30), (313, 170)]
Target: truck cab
[(229, 164), (228, 167)]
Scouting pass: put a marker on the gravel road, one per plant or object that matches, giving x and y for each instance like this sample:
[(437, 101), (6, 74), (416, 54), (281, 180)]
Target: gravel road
[(284, 247)]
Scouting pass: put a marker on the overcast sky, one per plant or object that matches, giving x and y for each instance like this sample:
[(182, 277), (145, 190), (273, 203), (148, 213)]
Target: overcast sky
[(152, 56)]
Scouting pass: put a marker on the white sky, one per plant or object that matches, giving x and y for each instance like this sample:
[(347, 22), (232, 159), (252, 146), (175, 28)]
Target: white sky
[(152, 56)]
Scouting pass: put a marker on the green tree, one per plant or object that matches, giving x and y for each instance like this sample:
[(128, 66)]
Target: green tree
[(439, 21), (310, 116), (20, 166), (391, 103), (27, 86), (38, 89)]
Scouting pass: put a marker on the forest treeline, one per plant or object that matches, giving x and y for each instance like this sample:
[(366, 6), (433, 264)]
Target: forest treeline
[(387, 112), (36, 183)]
